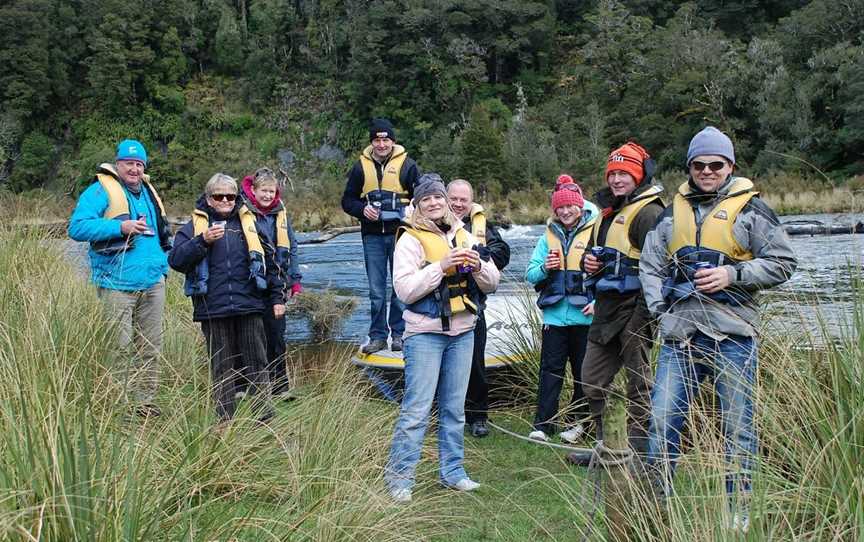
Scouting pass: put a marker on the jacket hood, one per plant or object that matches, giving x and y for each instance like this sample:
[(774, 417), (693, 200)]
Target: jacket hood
[(248, 195), (398, 150)]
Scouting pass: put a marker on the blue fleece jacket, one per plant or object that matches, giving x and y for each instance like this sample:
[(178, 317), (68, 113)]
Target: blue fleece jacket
[(139, 267), (561, 313)]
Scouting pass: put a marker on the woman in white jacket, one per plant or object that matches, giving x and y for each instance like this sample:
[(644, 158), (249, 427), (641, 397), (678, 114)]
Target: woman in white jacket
[(440, 276)]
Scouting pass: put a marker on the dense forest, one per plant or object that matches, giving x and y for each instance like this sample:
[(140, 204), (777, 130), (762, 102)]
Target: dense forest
[(506, 93)]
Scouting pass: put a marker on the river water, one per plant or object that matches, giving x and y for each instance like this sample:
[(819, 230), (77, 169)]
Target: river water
[(820, 288)]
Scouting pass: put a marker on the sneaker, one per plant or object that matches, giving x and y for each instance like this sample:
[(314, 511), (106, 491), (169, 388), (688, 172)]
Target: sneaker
[(479, 429), (538, 435), (373, 346), (573, 434), (741, 523), (396, 344), (465, 484), (401, 495)]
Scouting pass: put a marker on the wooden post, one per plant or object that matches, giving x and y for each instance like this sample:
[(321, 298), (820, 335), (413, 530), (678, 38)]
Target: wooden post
[(619, 486)]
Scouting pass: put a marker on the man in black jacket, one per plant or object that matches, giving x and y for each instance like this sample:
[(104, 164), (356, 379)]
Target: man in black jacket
[(461, 197), (379, 187)]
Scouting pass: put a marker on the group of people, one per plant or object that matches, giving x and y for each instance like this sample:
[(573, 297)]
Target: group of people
[(239, 255), (613, 275), (609, 273)]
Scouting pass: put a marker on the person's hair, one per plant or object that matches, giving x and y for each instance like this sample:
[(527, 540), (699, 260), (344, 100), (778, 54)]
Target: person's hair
[(419, 219), (217, 180), (461, 182), (264, 175)]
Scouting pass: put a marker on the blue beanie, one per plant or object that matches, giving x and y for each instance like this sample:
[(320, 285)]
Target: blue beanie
[(129, 149), (711, 141)]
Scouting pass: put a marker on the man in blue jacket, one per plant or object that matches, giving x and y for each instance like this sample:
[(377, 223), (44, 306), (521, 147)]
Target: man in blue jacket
[(379, 187), (123, 219)]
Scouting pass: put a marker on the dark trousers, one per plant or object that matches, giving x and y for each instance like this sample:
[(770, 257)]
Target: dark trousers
[(477, 398), (275, 331), (237, 346), (560, 343), (629, 349)]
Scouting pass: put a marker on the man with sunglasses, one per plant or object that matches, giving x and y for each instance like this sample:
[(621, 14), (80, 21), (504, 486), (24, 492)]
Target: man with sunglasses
[(621, 332), (123, 219), (380, 186), (701, 270)]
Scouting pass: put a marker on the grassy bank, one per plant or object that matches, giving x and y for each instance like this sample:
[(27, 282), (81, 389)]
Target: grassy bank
[(74, 467)]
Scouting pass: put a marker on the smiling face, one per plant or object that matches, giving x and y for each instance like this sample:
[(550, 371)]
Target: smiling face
[(433, 207), (620, 182), (130, 171), (704, 174), (382, 147), (568, 215), (222, 199), (265, 193), (460, 198)]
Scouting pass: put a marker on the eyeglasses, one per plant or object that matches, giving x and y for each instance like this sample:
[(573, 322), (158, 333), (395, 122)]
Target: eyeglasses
[(569, 186), (699, 167), (223, 197)]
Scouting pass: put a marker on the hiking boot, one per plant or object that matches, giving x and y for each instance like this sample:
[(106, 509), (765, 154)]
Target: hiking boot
[(396, 344), (479, 429), (373, 346)]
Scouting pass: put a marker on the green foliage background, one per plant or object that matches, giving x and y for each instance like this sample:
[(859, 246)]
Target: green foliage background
[(506, 93)]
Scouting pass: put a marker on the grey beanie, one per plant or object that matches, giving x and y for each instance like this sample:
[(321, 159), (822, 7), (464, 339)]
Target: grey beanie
[(711, 141), (428, 184)]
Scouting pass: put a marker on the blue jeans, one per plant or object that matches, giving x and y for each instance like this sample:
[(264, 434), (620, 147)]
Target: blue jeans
[(731, 364), (432, 361), (378, 257)]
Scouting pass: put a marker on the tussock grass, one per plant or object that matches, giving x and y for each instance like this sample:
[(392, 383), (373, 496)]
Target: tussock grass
[(810, 421), (75, 466)]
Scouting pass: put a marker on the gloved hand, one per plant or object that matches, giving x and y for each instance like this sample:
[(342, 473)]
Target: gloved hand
[(296, 288)]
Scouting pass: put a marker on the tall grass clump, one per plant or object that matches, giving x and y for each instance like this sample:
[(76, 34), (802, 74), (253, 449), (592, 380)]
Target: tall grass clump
[(809, 483), (74, 465)]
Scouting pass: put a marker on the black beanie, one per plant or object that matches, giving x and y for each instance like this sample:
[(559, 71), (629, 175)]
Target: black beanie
[(379, 126)]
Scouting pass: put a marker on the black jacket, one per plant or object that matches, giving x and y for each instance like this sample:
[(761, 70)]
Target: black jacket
[(230, 290), (353, 204)]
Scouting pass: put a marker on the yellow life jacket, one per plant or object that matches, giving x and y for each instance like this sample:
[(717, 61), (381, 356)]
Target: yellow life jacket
[(118, 205), (457, 291), (196, 282), (390, 184), (712, 243), (566, 282), (478, 223), (715, 231), (618, 234), (620, 259), (118, 209)]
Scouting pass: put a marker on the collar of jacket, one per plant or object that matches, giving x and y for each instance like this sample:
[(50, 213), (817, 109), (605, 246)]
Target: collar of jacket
[(698, 195), (604, 198)]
